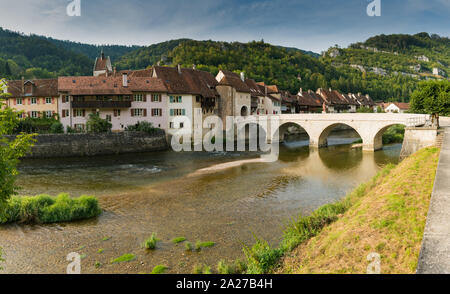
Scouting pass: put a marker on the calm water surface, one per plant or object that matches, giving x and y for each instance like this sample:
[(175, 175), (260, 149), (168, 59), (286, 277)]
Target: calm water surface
[(163, 192)]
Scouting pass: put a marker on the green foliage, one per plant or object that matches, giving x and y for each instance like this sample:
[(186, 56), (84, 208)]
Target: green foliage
[(10, 153), (150, 243), (96, 124), (237, 267), (124, 258), (394, 134), (47, 209), (201, 269), (178, 240), (432, 97), (57, 128), (188, 246), (365, 110), (143, 126), (199, 245), (159, 269), (1, 259), (261, 257), (40, 125)]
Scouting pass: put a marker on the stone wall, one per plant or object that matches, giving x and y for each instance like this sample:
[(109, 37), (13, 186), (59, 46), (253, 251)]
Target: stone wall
[(416, 139), (77, 145)]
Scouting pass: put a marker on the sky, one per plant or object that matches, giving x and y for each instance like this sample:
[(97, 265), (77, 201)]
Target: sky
[(312, 25)]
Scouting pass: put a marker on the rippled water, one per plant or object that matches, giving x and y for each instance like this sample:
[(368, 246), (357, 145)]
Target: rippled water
[(162, 192)]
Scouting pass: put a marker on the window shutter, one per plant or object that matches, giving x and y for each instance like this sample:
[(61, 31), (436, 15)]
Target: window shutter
[(29, 113), (145, 97), (115, 112), (171, 112), (64, 113), (15, 101), (183, 112), (132, 112), (74, 113), (160, 97), (160, 112), (145, 112), (53, 100), (84, 113)]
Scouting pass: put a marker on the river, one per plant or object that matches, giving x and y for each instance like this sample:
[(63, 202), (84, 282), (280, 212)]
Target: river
[(182, 195)]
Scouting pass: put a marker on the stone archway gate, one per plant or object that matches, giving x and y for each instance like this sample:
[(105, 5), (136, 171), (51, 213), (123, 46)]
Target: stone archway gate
[(370, 126)]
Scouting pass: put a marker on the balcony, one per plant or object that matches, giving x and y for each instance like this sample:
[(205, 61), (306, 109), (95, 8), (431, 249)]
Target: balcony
[(101, 104)]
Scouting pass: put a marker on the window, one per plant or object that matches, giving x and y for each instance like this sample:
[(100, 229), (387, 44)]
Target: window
[(108, 117), (197, 99), (79, 113), (172, 125), (20, 115), (138, 97), (19, 101), (177, 112), (156, 112), (66, 98), (49, 114), (79, 127), (138, 112), (176, 99), (156, 98), (65, 113), (34, 114), (116, 112), (48, 100), (33, 100)]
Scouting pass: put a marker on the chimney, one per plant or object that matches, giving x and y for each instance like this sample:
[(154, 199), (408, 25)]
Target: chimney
[(115, 71), (243, 76), (23, 85), (179, 68), (102, 55), (125, 79), (265, 89), (194, 67)]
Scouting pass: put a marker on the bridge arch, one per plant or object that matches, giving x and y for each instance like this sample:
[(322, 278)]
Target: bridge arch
[(322, 141), (285, 127), (378, 138)]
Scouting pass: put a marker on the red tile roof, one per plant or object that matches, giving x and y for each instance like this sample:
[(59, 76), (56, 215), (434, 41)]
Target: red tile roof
[(40, 88), (189, 81), (112, 85), (234, 80)]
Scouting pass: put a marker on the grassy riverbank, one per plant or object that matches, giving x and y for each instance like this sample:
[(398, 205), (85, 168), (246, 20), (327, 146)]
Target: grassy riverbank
[(47, 209), (386, 216)]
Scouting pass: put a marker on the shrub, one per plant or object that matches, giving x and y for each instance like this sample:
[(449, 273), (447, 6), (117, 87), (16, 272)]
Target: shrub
[(237, 267), (124, 258), (47, 209), (201, 269), (57, 128), (261, 257), (95, 124), (145, 127), (150, 243)]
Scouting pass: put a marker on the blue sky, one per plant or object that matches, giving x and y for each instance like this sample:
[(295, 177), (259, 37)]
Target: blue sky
[(307, 24)]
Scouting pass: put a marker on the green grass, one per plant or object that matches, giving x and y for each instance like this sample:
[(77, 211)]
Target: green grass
[(106, 238), (188, 246), (101, 250), (201, 269), (178, 240), (124, 258), (199, 245), (262, 258), (237, 267), (97, 264), (159, 269), (150, 243), (47, 209)]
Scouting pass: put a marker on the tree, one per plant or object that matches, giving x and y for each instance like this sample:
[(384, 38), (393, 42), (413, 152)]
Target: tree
[(95, 124), (432, 97), (10, 152)]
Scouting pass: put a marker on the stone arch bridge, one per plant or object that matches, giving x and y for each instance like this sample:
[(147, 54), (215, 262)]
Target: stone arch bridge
[(369, 126)]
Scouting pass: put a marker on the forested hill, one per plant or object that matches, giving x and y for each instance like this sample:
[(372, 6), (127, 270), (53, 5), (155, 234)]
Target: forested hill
[(35, 56), (290, 69)]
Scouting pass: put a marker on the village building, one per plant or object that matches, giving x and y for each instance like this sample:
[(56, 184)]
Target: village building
[(310, 102), (102, 65), (396, 107), (188, 90), (235, 94), (119, 99), (289, 103), (257, 98), (272, 98), (33, 98)]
